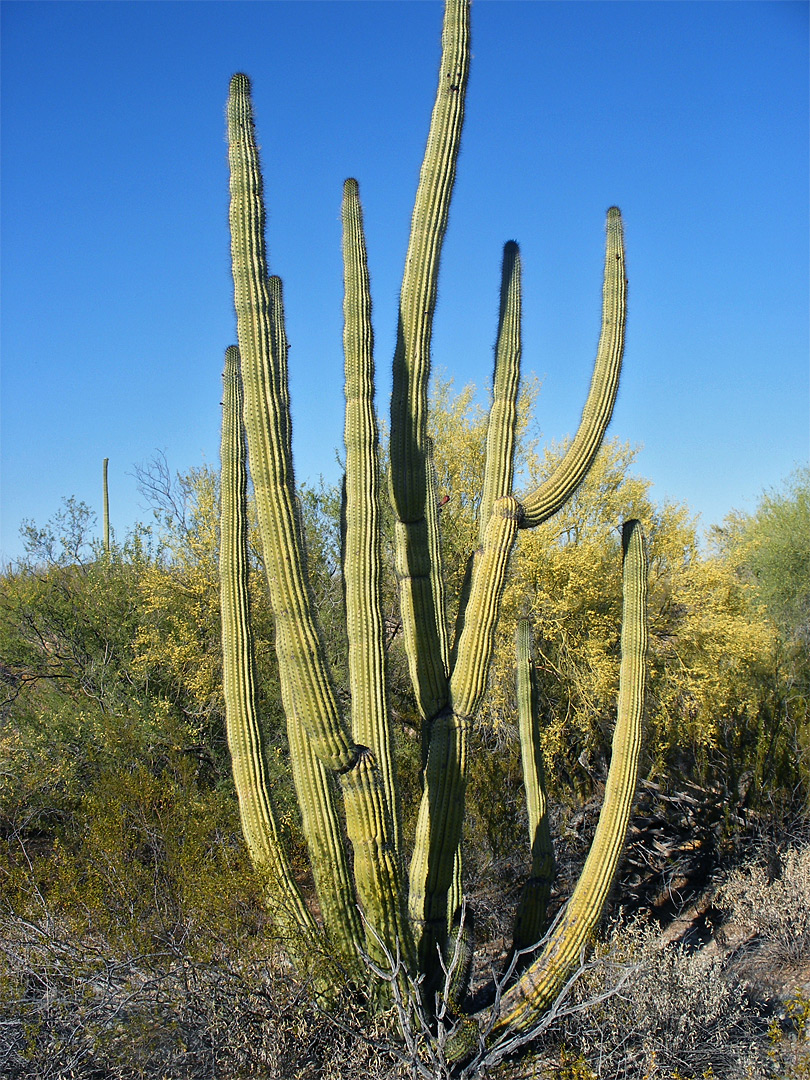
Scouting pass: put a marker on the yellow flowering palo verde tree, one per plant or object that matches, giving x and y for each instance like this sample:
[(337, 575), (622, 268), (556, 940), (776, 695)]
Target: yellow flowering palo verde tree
[(400, 929)]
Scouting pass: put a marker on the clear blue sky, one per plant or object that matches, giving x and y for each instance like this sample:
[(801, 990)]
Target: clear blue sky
[(116, 304)]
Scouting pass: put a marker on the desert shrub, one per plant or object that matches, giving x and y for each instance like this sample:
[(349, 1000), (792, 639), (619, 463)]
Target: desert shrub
[(771, 903), (675, 1015), (790, 1053), (74, 1007)]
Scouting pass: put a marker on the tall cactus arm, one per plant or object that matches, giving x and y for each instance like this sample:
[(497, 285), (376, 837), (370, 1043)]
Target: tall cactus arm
[(268, 424), (521, 1006), (259, 823), (418, 294), (554, 492), (372, 812), (362, 553), (410, 477), (531, 913), (436, 866), (500, 453), (499, 460), (323, 831)]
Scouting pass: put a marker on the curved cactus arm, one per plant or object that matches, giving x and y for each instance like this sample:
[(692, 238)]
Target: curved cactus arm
[(554, 492), (524, 1003), (372, 811), (469, 679), (531, 913), (499, 463), (259, 824), (410, 466), (268, 425)]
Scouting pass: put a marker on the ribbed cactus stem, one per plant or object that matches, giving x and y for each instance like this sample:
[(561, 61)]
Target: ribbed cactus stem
[(434, 539), (419, 282), (323, 831), (362, 553), (521, 1006), (411, 469), (448, 684), (259, 824), (499, 462), (435, 873), (441, 811), (280, 348), (267, 421), (414, 567), (469, 678), (531, 913), (438, 831), (372, 812), (460, 958), (561, 485)]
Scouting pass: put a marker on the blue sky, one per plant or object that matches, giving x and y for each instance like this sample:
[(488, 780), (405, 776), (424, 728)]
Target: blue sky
[(117, 298)]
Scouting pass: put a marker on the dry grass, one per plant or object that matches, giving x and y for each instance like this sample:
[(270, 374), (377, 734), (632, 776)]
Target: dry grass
[(738, 1009)]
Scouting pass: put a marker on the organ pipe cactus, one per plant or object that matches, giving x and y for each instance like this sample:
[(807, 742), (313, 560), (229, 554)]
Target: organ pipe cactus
[(372, 906)]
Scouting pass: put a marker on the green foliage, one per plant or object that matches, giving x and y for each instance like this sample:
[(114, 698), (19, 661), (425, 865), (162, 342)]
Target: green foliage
[(768, 553), (771, 549), (68, 619), (106, 780)]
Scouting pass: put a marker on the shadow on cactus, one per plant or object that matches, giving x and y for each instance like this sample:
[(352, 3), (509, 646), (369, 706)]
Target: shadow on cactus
[(400, 931)]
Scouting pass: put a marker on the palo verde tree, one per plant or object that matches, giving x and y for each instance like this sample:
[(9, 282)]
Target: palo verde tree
[(403, 928)]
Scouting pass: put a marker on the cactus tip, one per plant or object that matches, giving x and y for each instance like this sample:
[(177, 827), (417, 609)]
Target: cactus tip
[(240, 82)]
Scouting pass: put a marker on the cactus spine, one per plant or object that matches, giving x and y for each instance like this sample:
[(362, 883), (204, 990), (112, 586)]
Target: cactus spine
[(416, 917)]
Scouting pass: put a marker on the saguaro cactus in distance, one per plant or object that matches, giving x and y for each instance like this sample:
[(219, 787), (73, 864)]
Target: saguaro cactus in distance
[(371, 905), (105, 494)]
